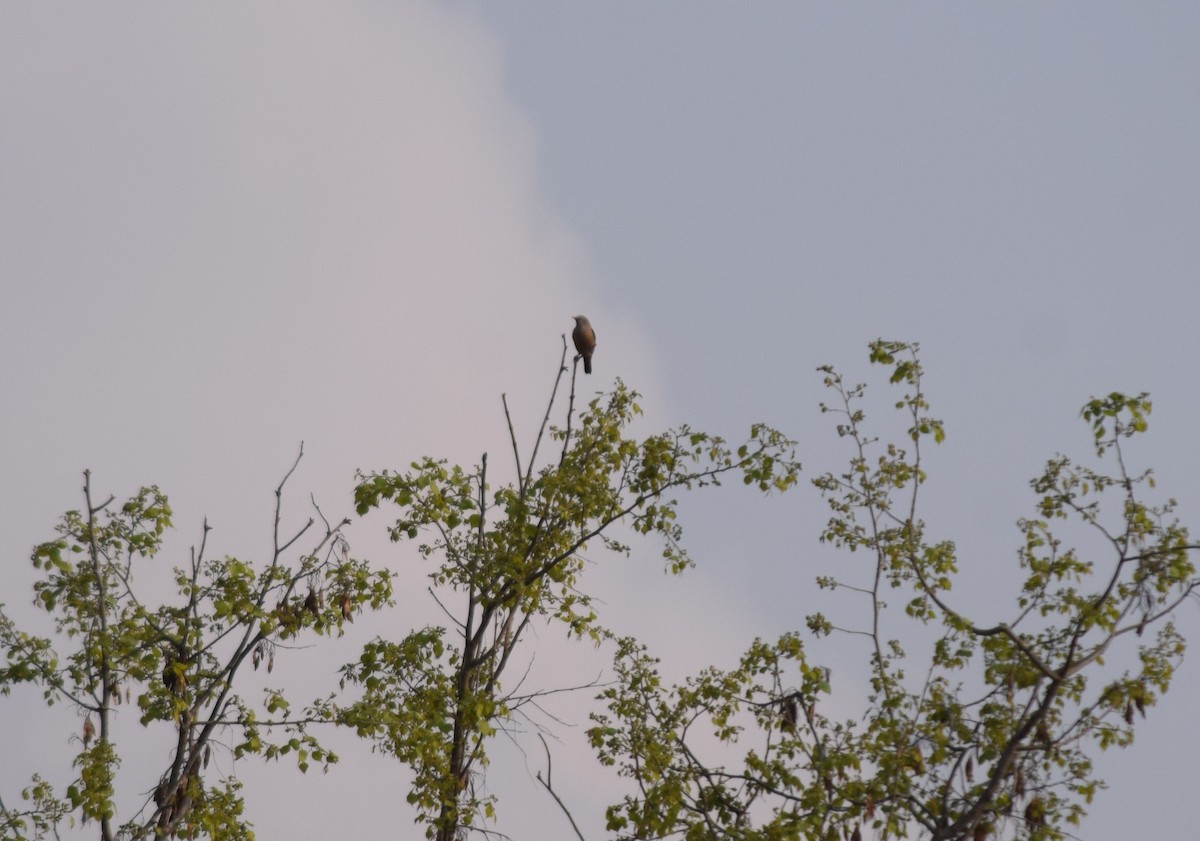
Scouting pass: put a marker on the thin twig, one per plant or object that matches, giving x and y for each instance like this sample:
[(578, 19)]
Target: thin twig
[(562, 366), (548, 784), (512, 436)]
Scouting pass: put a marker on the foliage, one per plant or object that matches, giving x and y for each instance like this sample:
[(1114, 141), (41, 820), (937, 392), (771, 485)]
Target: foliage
[(513, 555), (176, 661), (992, 737)]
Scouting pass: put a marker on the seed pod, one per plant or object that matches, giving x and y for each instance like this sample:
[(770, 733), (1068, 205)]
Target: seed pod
[(207, 754), (175, 680), (1043, 735), (918, 759), (89, 731), (347, 607), (856, 835), (1128, 713), (790, 715), (310, 604), (1035, 812), (969, 770)]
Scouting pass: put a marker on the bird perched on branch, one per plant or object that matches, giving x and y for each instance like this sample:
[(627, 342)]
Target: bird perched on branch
[(585, 341)]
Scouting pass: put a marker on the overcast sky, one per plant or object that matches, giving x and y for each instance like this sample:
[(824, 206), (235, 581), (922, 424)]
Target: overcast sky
[(227, 228)]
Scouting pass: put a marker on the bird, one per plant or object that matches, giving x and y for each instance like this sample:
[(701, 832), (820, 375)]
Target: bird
[(585, 341)]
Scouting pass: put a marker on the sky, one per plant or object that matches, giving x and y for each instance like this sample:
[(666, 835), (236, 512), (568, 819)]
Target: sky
[(228, 228)]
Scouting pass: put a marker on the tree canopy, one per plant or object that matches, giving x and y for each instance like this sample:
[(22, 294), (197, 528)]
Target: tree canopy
[(972, 728)]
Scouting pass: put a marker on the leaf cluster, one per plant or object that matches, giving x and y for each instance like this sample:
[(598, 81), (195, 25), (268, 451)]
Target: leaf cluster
[(513, 554), (173, 660), (991, 737)]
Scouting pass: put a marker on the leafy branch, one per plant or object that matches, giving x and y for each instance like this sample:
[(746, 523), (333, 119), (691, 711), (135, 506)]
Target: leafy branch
[(177, 660), (514, 555)]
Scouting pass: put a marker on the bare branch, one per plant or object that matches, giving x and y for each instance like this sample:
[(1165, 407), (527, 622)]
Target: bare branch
[(548, 784)]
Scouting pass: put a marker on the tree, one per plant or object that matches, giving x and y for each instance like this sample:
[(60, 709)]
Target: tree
[(178, 661), (993, 736), (990, 735), (511, 556)]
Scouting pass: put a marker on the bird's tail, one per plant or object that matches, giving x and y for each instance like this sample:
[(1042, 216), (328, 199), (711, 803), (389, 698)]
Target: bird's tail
[(587, 365)]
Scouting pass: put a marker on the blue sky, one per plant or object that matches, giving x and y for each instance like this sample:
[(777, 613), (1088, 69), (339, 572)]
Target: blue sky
[(227, 229)]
